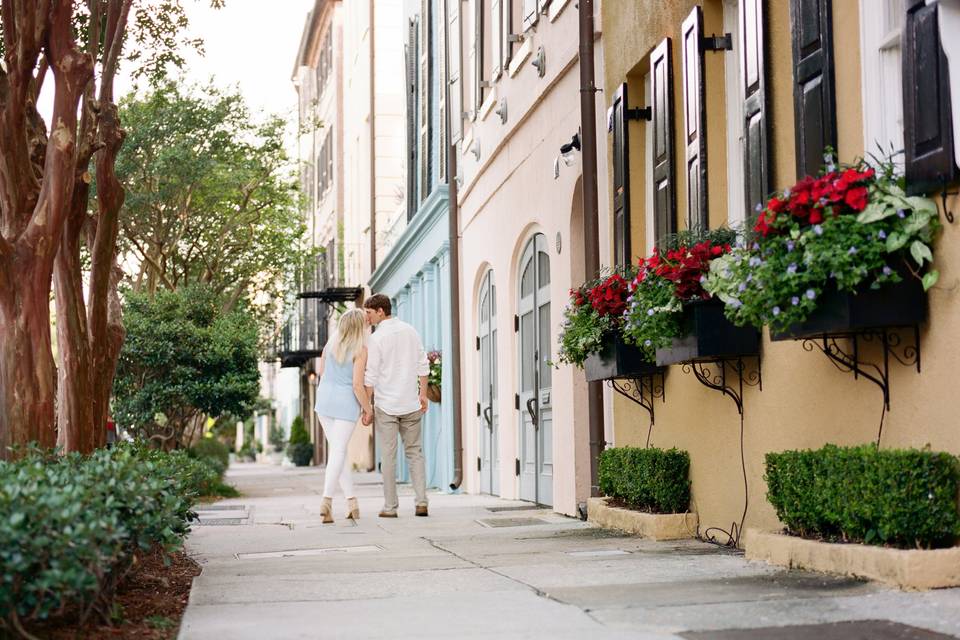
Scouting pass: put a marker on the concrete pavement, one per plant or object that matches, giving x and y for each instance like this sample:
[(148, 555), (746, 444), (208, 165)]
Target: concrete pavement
[(481, 567)]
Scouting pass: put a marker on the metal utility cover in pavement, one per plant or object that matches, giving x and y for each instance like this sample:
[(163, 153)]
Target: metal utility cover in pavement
[(512, 522), (854, 630), (220, 521), (526, 507), (221, 507), (308, 552), (598, 553)]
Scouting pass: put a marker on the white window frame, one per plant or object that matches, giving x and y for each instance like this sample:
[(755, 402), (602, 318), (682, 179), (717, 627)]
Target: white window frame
[(736, 207), (882, 76)]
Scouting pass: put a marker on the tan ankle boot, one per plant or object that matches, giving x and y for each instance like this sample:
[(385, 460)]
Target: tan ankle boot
[(353, 509), (326, 510)]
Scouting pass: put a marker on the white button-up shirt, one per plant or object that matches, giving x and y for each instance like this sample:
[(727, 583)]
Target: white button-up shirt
[(395, 361)]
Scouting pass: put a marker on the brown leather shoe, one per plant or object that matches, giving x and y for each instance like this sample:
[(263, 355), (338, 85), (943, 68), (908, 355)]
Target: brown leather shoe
[(388, 514), (421, 510)]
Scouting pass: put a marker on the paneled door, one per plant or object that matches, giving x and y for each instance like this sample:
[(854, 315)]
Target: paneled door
[(488, 462), (535, 402)]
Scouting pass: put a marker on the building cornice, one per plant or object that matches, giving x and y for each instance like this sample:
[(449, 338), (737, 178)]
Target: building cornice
[(432, 211)]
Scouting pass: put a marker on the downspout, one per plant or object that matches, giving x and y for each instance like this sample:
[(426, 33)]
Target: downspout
[(453, 224), (591, 235), (373, 144)]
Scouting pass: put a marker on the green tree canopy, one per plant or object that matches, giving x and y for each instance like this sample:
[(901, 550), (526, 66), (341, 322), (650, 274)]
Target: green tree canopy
[(212, 197), (183, 359)]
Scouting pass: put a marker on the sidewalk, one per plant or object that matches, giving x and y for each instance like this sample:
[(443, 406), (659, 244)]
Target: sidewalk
[(480, 567)]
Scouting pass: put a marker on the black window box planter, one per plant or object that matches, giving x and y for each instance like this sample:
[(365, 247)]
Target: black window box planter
[(618, 360), (708, 336), (897, 304)]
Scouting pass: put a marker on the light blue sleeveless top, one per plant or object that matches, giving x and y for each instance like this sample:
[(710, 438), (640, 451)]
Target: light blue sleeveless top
[(335, 397)]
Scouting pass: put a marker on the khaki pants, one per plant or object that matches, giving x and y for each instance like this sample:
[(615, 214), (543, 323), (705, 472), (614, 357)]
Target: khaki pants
[(408, 426)]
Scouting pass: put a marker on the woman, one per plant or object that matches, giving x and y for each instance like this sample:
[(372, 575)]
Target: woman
[(340, 399)]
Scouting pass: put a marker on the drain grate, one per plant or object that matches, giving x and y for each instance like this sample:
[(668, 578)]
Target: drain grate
[(309, 552), (221, 507), (512, 522), (526, 507), (220, 521), (598, 553), (854, 630)]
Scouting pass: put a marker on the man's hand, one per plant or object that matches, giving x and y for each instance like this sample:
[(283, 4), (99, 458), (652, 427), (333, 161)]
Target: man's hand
[(366, 419), (423, 403)]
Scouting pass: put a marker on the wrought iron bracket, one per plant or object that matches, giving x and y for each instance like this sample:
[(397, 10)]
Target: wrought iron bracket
[(713, 374), (947, 213), (718, 43), (639, 113), (847, 357), (643, 390)]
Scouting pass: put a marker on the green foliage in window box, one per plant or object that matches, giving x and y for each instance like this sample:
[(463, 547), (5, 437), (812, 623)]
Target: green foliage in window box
[(653, 480), (902, 498), (71, 526)]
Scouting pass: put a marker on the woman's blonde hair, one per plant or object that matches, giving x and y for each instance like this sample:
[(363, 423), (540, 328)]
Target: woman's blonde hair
[(351, 335)]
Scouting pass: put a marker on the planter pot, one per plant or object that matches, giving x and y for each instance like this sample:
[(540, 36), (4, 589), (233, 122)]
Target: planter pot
[(433, 393), (903, 568), (656, 526), (618, 360), (709, 335), (898, 304)]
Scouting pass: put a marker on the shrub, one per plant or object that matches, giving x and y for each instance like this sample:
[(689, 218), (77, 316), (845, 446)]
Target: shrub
[(70, 527), (903, 498), (213, 452), (298, 432), (277, 438), (654, 480), (301, 453)]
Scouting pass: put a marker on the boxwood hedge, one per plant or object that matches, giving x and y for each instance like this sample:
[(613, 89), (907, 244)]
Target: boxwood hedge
[(651, 479), (902, 498), (71, 526)]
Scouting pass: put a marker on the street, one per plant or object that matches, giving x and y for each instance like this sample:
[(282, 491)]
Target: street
[(481, 567)]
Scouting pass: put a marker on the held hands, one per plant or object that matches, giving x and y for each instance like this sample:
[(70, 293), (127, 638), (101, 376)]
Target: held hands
[(366, 418)]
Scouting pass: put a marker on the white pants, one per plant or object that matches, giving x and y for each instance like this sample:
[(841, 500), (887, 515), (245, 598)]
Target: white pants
[(338, 434)]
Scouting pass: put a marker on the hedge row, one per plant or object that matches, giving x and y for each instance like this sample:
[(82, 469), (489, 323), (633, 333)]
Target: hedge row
[(71, 526), (654, 480), (903, 498)]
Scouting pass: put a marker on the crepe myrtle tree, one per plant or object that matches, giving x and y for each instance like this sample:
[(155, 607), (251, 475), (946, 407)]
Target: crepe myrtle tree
[(47, 211)]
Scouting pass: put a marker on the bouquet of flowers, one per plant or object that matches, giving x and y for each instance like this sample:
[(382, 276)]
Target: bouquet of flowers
[(849, 227), (436, 368)]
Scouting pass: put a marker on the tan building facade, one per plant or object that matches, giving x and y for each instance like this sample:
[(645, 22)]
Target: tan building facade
[(731, 116), (520, 221)]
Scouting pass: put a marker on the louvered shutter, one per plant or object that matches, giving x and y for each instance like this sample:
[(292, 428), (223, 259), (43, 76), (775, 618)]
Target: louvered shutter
[(412, 133), (478, 58), (424, 100), (530, 13), (753, 91), (694, 120), (454, 64), (621, 177), (927, 128), (441, 75), (506, 46), (664, 194), (496, 38), (814, 106)]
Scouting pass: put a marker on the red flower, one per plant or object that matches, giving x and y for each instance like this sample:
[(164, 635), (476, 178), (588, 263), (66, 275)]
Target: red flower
[(856, 198)]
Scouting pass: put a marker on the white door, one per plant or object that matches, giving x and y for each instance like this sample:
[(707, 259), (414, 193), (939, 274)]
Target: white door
[(536, 422), (488, 462)]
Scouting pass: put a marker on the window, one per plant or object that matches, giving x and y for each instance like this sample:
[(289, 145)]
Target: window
[(324, 168), (881, 29), (325, 63)]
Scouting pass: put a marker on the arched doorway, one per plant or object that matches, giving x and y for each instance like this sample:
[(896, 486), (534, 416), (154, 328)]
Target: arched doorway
[(536, 421), (489, 458)]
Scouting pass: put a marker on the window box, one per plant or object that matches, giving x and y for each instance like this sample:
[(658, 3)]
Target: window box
[(709, 335), (618, 360), (898, 304)]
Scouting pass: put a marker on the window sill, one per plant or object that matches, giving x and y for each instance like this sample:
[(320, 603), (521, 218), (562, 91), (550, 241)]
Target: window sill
[(556, 7), (487, 105), (522, 55)]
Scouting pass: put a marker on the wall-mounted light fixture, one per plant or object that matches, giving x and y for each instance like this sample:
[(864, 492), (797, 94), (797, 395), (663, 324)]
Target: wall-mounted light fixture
[(475, 150), (501, 111), (540, 62)]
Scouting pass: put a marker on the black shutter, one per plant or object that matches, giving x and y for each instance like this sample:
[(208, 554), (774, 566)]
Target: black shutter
[(621, 178), (814, 105), (695, 119), (505, 31), (478, 72), (664, 194), (927, 129), (753, 91), (454, 52), (412, 133)]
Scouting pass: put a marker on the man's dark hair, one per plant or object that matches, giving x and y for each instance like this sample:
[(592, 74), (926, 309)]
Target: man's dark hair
[(379, 301)]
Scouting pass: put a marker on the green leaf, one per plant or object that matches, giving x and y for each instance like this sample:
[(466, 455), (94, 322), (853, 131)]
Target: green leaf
[(920, 252), (918, 203), (930, 278), (874, 212), (896, 241)]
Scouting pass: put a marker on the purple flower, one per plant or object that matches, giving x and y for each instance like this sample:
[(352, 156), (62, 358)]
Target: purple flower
[(742, 287), (776, 311), (650, 312), (851, 251), (811, 294), (901, 214), (759, 207), (755, 261), (882, 234), (736, 304), (794, 300), (887, 270), (647, 342), (756, 246), (789, 245), (792, 269), (817, 229)]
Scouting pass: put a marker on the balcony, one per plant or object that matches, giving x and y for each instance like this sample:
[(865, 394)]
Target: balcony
[(334, 278), (304, 334)]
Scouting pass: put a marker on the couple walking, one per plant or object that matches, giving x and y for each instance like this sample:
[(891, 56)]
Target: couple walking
[(380, 379)]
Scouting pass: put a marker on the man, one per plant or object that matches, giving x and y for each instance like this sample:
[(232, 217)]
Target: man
[(396, 381)]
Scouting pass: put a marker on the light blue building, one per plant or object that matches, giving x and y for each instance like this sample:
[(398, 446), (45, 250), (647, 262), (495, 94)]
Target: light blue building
[(415, 272)]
